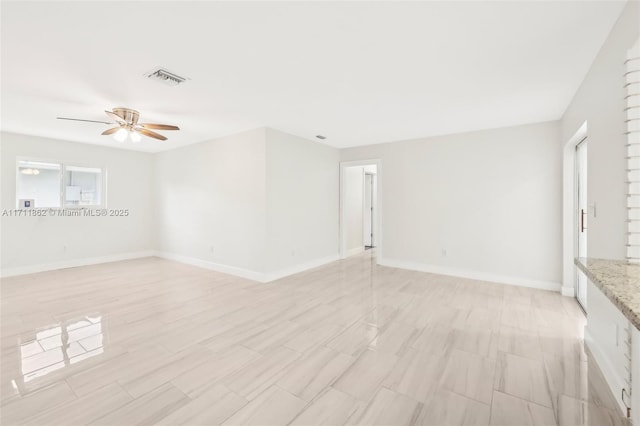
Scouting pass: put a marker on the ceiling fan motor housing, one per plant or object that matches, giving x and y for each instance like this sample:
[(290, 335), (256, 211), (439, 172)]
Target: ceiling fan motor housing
[(131, 116)]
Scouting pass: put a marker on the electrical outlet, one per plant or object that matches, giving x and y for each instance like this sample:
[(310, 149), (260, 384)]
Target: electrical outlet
[(64, 247), (444, 253), (211, 249)]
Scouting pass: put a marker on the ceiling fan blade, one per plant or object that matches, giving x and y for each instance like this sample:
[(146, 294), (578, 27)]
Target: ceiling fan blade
[(159, 126), (80, 119), (111, 131), (115, 117), (151, 134)]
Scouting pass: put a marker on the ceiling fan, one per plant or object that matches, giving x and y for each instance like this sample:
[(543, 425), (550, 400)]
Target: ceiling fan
[(127, 125)]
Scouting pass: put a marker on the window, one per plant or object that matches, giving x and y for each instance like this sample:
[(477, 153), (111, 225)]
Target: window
[(54, 185), (38, 184), (83, 186)]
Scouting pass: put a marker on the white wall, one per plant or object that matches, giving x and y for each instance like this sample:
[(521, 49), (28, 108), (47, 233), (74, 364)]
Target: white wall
[(600, 102), (31, 244), (353, 188), (212, 201), (259, 204), (491, 199), (302, 179)]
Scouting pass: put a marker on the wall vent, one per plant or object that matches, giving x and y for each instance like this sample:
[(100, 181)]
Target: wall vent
[(166, 77)]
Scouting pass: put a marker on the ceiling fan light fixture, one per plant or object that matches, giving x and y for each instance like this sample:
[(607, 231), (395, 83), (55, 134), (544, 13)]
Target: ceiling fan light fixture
[(127, 126), (29, 171), (121, 135), (135, 136)]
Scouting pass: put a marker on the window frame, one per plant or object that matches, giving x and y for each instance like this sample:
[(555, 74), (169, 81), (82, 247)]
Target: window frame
[(63, 182)]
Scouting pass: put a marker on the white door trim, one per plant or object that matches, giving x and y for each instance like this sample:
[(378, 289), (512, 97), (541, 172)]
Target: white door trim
[(569, 205), (378, 211)]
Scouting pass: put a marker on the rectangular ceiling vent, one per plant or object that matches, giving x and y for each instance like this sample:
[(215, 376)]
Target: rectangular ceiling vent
[(166, 77)]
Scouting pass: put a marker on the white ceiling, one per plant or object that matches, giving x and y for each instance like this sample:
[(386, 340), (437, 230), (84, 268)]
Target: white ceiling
[(358, 72)]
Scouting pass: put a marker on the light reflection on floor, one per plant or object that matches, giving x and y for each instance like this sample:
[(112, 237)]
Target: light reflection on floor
[(60, 346)]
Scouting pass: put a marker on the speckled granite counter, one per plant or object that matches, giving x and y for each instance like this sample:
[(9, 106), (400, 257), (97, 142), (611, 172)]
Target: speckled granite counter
[(619, 280)]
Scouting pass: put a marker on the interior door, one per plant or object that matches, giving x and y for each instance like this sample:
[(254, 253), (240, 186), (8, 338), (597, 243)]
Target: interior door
[(367, 214), (582, 216)]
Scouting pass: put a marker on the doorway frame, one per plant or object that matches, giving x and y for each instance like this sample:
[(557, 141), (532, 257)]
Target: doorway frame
[(569, 206), (373, 210), (342, 238)]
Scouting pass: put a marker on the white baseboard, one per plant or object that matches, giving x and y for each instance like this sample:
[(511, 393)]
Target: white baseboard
[(614, 381), (353, 252), (218, 267), (301, 267), (568, 291), (73, 263), (481, 276), (247, 273)]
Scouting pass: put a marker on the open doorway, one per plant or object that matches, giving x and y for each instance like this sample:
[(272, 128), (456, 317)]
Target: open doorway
[(359, 209), (369, 208)]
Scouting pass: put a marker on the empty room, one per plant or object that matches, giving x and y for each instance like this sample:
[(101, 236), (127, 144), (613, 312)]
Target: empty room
[(320, 213)]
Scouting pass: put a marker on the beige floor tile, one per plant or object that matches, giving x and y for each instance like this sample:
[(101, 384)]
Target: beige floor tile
[(523, 377), (483, 342), (331, 408), (260, 374), (313, 337), (91, 379), (390, 408), (567, 376), (365, 375), (20, 409), (211, 407), (507, 410), (448, 408), (84, 410), (469, 375), (416, 374), (520, 342), (220, 365), (355, 339), (434, 338), (273, 337), (519, 318), (395, 339), (309, 375), (272, 407), (601, 416), (233, 336), (572, 412), (144, 381), (148, 409), (313, 316)]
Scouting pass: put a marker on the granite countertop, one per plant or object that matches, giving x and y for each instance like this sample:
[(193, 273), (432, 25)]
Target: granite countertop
[(619, 280)]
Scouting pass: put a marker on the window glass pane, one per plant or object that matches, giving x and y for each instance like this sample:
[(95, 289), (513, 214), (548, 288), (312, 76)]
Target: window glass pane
[(84, 186), (39, 182)]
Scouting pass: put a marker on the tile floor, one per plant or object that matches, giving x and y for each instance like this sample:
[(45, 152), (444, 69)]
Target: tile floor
[(152, 341)]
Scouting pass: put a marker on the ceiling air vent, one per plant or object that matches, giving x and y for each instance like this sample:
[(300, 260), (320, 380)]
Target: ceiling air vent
[(166, 77)]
